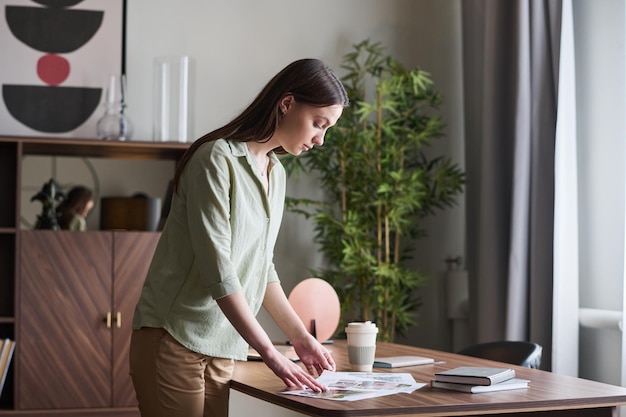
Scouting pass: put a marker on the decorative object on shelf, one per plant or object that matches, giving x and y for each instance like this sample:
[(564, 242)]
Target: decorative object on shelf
[(171, 99), (61, 53), (49, 196), (138, 212), (380, 183), (73, 210), (115, 124)]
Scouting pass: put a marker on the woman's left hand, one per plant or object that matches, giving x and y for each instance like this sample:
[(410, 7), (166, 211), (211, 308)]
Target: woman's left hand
[(315, 357)]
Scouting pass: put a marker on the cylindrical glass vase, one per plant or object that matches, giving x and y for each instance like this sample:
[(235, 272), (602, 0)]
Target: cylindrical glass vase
[(115, 124), (171, 99)]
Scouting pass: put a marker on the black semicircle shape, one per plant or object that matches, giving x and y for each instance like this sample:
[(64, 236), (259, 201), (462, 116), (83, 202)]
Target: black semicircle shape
[(55, 31), (51, 109), (58, 3)]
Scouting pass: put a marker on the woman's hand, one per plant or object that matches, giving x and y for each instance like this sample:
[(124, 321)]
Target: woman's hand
[(315, 357), (293, 375)]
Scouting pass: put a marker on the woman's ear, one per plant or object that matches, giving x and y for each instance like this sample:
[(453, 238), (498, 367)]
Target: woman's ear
[(286, 102)]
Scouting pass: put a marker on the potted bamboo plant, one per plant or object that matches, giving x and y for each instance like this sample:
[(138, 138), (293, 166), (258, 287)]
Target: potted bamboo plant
[(379, 186)]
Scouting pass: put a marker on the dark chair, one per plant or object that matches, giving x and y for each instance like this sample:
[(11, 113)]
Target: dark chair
[(521, 353)]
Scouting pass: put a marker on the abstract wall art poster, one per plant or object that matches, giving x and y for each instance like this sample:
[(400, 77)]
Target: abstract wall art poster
[(57, 58)]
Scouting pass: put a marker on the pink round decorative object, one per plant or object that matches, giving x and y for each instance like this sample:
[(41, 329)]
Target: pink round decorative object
[(317, 304)]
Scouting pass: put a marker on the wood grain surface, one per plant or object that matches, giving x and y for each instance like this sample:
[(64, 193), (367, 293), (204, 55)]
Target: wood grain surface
[(549, 394)]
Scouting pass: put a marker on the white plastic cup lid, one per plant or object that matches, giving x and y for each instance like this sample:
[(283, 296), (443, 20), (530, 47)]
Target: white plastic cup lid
[(361, 327)]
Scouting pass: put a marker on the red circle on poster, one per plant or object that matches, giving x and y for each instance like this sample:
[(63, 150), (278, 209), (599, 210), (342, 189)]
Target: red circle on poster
[(53, 69)]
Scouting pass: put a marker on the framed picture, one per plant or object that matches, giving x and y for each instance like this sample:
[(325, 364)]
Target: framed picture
[(58, 58)]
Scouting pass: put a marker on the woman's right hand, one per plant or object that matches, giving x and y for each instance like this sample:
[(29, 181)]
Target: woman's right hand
[(292, 374)]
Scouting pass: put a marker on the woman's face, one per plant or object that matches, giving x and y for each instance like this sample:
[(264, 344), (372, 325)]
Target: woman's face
[(303, 126)]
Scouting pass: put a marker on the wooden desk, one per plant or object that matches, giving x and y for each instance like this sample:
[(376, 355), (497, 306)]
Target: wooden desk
[(549, 394)]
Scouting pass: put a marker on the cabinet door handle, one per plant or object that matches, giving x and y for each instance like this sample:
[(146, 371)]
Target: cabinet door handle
[(107, 320), (119, 319)]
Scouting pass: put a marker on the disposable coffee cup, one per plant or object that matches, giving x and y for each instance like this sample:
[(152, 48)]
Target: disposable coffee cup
[(361, 345)]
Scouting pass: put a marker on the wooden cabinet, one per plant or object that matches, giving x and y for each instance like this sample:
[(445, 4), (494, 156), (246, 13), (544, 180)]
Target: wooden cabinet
[(78, 292), (65, 290), (57, 289)]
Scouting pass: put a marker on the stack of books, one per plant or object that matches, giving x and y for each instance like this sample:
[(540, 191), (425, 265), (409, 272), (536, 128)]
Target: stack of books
[(477, 379), (6, 353)]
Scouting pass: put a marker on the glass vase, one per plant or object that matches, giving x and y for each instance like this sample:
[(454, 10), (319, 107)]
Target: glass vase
[(115, 124), (171, 99)]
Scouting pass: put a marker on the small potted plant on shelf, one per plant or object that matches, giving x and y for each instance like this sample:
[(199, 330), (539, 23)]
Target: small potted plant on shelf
[(379, 186)]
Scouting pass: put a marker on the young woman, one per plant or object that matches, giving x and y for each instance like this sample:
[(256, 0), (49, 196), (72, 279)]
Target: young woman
[(213, 267)]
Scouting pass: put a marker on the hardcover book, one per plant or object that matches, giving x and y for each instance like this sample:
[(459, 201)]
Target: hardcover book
[(510, 384), (6, 353), (474, 375)]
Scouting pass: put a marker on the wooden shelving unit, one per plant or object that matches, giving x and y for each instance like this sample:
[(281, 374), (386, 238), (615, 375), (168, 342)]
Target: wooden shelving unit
[(12, 150)]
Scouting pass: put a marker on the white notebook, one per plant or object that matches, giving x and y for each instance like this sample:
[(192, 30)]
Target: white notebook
[(400, 361)]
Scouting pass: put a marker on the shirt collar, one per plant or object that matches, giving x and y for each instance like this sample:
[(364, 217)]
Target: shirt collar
[(241, 149), (238, 148)]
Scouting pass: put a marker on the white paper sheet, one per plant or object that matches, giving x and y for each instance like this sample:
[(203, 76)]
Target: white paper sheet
[(351, 386)]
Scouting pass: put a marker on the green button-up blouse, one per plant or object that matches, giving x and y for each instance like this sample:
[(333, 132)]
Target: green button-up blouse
[(218, 239)]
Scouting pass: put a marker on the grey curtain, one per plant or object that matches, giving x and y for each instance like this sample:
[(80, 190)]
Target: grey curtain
[(510, 58)]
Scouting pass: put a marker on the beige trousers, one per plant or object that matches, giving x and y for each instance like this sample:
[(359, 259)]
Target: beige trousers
[(172, 381)]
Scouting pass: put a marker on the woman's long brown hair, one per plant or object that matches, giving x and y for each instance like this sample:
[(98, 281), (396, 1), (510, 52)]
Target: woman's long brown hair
[(310, 81)]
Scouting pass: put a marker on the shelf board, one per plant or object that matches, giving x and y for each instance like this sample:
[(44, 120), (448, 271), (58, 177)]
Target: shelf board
[(97, 148), (5, 320)]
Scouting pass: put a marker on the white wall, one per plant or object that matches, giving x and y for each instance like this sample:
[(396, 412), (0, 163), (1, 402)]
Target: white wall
[(238, 45)]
